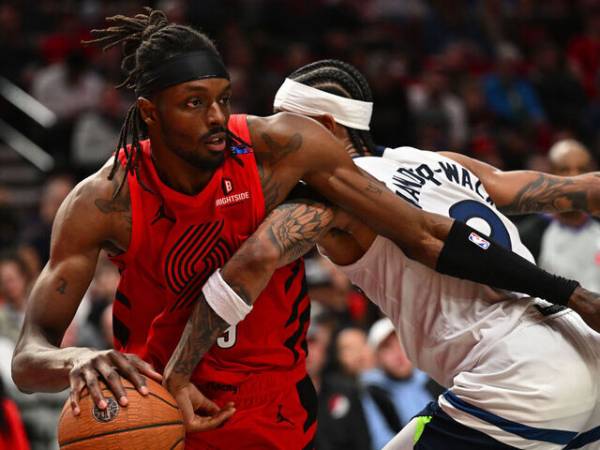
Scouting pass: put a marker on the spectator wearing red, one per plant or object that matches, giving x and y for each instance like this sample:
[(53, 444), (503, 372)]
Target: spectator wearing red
[(12, 431)]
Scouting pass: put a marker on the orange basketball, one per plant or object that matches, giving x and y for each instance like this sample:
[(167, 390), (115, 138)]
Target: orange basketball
[(147, 422)]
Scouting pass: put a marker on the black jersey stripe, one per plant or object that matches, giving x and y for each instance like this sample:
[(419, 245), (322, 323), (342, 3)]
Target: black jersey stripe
[(293, 275), (121, 298), (309, 401), (293, 340), (120, 331), (297, 301)]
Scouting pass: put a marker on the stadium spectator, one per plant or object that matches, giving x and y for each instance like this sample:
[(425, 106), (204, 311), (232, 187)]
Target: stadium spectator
[(14, 289), (510, 96), (12, 432), (567, 244), (36, 234), (394, 381)]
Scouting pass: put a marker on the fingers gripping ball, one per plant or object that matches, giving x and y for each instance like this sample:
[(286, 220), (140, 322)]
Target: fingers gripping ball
[(147, 422)]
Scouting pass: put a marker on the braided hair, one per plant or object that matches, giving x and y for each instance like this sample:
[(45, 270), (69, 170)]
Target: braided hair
[(343, 79), (147, 40)]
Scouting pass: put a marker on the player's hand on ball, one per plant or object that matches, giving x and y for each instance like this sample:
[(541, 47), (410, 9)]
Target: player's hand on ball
[(587, 304), (90, 367), (199, 413)]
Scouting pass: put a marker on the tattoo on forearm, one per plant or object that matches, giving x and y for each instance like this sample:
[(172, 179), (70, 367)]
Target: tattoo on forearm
[(200, 333), (294, 228), (548, 193), (62, 286), (372, 187)]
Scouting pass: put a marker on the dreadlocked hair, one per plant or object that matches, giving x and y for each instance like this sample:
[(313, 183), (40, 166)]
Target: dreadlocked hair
[(343, 79), (146, 40)]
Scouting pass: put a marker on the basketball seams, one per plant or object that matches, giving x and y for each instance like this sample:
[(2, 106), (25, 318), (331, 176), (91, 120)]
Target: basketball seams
[(123, 430), (172, 405), (128, 388), (177, 443), (148, 417)]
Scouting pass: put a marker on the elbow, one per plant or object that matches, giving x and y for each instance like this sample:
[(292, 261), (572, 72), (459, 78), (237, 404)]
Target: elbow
[(425, 249), (19, 372), (426, 246), (265, 259), (252, 263)]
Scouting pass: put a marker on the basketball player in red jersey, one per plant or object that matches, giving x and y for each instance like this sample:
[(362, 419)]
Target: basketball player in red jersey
[(175, 207)]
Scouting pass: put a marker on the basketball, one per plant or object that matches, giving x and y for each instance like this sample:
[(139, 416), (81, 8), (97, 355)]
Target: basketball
[(147, 422)]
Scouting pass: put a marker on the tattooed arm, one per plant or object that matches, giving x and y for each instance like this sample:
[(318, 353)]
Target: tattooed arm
[(287, 233), (88, 220), (523, 191)]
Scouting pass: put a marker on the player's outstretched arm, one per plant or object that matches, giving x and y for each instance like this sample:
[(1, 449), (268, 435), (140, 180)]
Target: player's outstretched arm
[(526, 191), (39, 364), (305, 149)]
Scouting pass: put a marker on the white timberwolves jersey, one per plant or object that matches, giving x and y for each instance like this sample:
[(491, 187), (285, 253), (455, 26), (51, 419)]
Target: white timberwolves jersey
[(444, 322), (438, 184)]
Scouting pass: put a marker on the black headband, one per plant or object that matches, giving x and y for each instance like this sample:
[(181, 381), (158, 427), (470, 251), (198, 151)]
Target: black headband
[(196, 65)]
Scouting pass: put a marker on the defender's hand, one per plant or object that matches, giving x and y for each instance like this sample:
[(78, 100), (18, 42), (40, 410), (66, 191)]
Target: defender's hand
[(199, 413), (587, 304), (109, 366)]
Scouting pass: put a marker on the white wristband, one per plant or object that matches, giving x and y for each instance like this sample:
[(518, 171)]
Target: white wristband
[(223, 300)]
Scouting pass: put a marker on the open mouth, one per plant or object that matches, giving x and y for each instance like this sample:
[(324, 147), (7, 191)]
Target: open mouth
[(216, 142)]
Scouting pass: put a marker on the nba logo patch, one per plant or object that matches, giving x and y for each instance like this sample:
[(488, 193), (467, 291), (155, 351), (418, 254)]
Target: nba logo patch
[(226, 185), (479, 241)]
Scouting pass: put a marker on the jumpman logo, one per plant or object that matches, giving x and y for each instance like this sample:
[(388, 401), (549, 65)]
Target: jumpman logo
[(281, 417), (161, 213)]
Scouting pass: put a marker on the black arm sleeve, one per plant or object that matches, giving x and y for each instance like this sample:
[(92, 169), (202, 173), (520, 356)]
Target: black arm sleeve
[(466, 254)]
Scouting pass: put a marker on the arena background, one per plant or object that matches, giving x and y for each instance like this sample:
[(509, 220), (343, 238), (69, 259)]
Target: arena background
[(499, 80)]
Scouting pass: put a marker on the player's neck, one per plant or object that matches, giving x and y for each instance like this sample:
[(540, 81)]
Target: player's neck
[(177, 173)]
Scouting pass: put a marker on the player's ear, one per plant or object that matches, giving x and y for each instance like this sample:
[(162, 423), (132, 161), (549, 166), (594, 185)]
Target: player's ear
[(147, 110), (328, 122)]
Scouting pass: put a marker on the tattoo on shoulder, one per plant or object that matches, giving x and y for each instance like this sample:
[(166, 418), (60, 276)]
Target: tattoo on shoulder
[(110, 206), (278, 150), (551, 194), (121, 205), (62, 286)]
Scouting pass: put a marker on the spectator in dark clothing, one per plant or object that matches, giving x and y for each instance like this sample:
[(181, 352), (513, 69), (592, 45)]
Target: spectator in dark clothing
[(342, 423), (37, 234), (561, 95), (510, 96)]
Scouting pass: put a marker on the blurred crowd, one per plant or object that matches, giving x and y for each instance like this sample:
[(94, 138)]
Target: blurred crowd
[(499, 80)]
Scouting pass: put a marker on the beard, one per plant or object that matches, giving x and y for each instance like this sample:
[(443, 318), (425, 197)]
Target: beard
[(193, 158), (202, 160)]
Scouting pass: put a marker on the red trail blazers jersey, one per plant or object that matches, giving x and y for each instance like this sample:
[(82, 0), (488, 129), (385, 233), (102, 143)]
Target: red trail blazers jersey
[(177, 242)]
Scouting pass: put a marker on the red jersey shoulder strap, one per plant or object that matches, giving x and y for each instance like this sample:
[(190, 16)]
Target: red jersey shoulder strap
[(135, 198), (238, 125)]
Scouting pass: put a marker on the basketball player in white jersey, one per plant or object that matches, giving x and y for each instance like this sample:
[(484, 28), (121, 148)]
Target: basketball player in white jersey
[(520, 372)]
